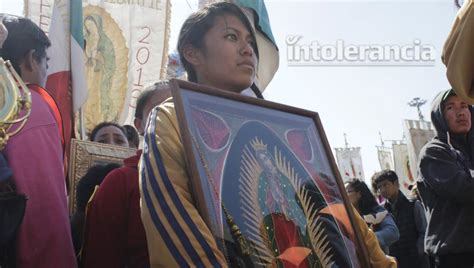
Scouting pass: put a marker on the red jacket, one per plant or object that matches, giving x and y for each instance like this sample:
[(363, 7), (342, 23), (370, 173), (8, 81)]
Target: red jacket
[(114, 235)]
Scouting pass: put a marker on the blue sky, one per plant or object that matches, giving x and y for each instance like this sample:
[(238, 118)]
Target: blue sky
[(361, 101), (357, 100)]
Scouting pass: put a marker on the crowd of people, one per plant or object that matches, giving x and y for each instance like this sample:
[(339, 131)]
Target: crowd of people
[(143, 213)]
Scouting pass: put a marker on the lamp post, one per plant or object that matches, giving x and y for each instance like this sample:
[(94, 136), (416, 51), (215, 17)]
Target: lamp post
[(417, 102)]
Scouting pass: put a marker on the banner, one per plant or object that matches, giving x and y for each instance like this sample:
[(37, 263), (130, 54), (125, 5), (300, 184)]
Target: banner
[(349, 162), (403, 167), (385, 158), (40, 12), (126, 50), (418, 133)]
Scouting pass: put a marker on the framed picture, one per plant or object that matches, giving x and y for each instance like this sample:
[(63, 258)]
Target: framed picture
[(265, 180), (85, 154)]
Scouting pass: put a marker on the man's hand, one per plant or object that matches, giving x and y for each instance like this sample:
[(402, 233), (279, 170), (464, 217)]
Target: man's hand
[(3, 34)]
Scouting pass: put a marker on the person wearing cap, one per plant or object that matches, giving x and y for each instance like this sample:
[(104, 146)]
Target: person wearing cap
[(446, 184)]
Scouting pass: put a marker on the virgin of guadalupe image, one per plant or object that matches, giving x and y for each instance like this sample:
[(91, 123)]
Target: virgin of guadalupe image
[(277, 206), (100, 61)]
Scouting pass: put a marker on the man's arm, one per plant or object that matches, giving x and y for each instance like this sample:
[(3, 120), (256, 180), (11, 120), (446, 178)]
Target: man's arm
[(420, 222), (441, 172)]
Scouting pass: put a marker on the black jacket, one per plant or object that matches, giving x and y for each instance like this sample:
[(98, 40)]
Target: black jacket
[(446, 187), (410, 220)]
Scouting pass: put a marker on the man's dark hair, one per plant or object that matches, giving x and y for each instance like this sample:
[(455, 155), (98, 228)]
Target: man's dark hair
[(141, 101), (146, 95), (23, 36), (105, 124), (198, 23), (385, 175)]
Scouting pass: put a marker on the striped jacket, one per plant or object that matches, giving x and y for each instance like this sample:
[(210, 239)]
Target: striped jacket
[(177, 235)]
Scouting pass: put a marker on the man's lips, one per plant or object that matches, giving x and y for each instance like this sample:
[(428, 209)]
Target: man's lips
[(462, 121)]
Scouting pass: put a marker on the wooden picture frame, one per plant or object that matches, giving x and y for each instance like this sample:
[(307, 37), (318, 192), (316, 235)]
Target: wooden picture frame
[(85, 154), (259, 170)]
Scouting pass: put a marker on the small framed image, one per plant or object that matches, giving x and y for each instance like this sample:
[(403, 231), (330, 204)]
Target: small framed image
[(85, 154), (265, 180)]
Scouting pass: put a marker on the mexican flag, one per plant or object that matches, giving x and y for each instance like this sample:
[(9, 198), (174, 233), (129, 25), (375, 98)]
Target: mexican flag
[(269, 60), (66, 79)]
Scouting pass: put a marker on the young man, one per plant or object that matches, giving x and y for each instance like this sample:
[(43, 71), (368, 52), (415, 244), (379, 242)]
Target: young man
[(35, 156), (409, 218), (114, 235), (446, 183)]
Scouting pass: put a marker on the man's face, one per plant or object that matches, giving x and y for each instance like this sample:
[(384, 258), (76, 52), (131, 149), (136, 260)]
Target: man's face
[(34, 69), (457, 115), (42, 71), (387, 188)]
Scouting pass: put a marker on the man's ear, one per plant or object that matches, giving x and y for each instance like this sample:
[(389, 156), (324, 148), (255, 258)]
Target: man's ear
[(192, 55), (28, 61)]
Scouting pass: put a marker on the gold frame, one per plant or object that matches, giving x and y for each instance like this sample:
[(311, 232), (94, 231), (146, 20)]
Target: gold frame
[(85, 154), (15, 97)]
